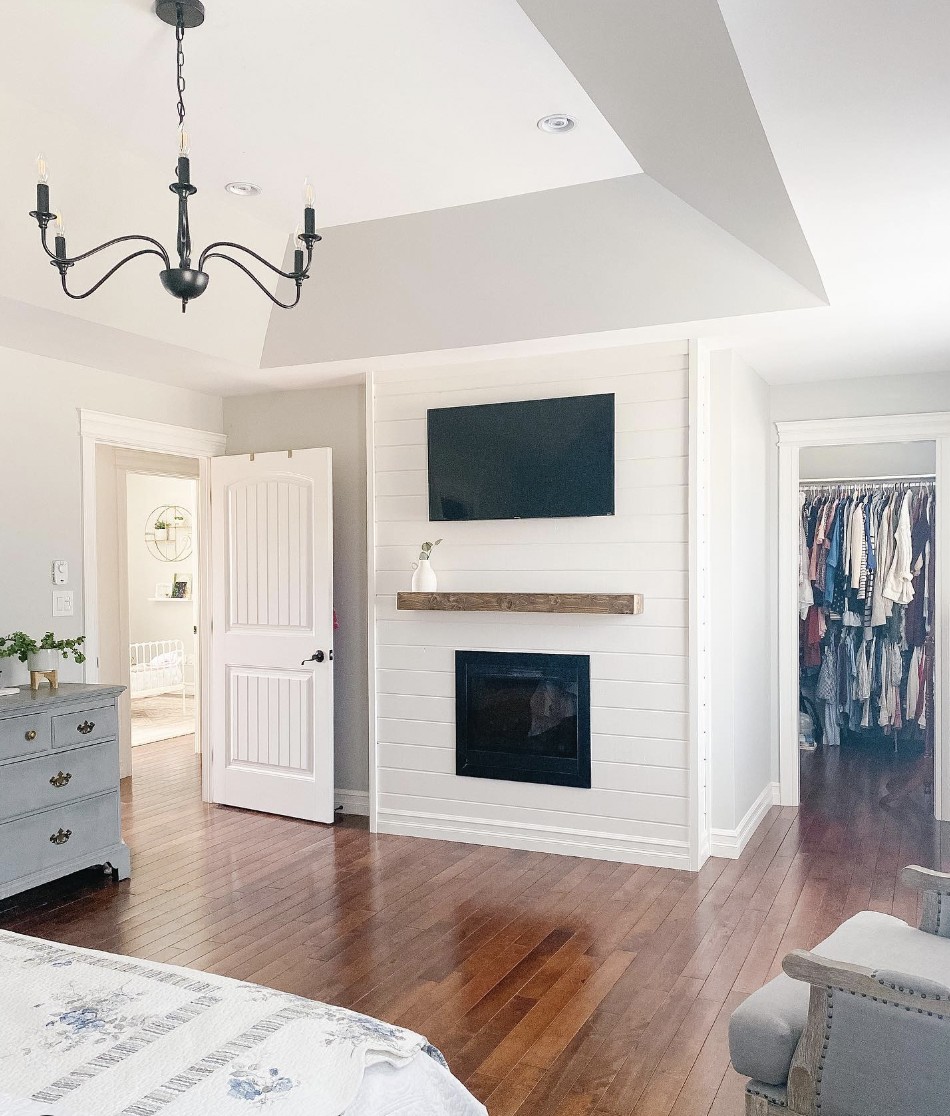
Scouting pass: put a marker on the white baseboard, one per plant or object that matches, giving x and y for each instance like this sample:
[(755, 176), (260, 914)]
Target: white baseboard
[(352, 801), (536, 838), (731, 842)]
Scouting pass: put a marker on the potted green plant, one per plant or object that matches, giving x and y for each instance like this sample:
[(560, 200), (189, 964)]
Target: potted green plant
[(160, 529), (43, 656)]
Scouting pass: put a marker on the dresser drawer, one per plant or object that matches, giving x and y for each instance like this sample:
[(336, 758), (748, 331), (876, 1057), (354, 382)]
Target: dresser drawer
[(36, 784), (85, 726), (79, 828), (24, 735)]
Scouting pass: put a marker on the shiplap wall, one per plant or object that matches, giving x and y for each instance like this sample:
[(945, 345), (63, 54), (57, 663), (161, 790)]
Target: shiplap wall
[(636, 808)]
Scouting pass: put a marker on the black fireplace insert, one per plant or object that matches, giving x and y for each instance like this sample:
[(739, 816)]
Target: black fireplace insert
[(524, 717)]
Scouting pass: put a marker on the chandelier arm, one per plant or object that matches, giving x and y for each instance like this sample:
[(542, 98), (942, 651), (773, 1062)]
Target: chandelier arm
[(209, 253), (206, 255), (159, 249), (112, 270), (52, 255)]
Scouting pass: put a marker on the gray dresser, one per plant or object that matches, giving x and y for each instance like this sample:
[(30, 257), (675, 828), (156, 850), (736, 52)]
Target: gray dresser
[(59, 785)]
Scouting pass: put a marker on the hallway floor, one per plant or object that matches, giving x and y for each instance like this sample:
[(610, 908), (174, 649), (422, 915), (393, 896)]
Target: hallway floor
[(555, 986), (162, 717)]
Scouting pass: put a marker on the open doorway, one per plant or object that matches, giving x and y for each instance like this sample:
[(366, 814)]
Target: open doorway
[(161, 569), (867, 635), (147, 564)]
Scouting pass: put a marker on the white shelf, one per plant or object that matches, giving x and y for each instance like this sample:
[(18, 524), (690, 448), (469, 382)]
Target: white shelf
[(174, 600)]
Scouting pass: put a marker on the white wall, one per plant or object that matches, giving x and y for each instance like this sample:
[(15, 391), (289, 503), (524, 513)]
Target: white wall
[(742, 746), (150, 619), (333, 417), (40, 475), (637, 806)]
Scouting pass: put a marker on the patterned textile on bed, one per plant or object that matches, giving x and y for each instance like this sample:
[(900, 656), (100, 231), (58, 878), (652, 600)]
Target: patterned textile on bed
[(98, 1034)]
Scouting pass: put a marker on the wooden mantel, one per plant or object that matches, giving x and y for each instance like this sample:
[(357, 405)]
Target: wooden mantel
[(604, 604)]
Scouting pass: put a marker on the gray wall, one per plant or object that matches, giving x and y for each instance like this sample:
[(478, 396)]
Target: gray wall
[(331, 417), (888, 459), (40, 477), (854, 398)]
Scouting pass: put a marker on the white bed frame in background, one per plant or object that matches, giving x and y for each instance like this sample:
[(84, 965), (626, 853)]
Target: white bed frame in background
[(158, 667)]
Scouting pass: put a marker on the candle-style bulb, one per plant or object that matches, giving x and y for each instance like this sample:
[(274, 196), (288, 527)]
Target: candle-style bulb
[(60, 225), (184, 141), (308, 193), (298, 232), (42, 169)]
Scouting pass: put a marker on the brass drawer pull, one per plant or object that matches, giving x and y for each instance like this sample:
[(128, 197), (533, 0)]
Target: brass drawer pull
[(61, 779), (31, 734), (62, 837), (86, 727)]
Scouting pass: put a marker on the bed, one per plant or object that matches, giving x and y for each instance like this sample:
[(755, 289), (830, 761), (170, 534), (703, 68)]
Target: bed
[(85, 1033), (157, 667)]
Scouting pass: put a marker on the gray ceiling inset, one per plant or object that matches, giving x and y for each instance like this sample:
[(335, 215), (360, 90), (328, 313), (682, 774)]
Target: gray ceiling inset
[(582, 259), (666, 77)]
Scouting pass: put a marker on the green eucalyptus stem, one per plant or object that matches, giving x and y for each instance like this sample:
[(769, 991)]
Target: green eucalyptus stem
[(425, 552)]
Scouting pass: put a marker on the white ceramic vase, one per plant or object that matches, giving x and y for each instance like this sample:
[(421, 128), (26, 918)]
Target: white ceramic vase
[(43, 661), (423, 577)]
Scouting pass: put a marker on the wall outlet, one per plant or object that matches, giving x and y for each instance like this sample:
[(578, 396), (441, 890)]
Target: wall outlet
[(62, 602)]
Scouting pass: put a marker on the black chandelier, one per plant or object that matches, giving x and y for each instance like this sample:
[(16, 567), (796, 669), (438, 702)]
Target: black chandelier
[(184, 281)]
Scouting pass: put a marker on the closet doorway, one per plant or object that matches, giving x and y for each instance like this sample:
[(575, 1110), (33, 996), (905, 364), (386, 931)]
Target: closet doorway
[(867, 614), (884, 462)]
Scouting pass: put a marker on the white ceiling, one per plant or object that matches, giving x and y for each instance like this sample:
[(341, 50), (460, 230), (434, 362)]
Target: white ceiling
[(426, 108)]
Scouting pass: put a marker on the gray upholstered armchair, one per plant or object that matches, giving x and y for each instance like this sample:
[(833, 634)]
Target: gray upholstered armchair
[(859, 1026)]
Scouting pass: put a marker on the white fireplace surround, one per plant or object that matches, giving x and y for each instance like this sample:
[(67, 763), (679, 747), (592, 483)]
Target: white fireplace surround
[(649, 738)]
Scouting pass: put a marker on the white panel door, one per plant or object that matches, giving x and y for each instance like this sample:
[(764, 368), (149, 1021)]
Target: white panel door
[(272, 633)]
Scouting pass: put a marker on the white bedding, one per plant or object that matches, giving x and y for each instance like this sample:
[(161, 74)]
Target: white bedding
[(84, 1033)]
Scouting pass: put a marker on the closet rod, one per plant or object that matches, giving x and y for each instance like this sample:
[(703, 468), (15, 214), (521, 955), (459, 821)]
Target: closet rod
[(915, 478)]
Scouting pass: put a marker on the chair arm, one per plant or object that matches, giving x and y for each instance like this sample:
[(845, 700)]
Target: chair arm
[(902, 989), (925, 998), (935, 918), (925, 879)]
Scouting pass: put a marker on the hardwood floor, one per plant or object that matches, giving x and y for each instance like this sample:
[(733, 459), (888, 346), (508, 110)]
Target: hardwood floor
[(553, 985)]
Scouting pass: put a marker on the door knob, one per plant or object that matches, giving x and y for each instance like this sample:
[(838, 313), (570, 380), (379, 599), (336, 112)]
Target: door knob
[(316, 657)]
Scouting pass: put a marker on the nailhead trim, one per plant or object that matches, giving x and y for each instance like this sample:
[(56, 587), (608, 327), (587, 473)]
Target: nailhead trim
[(752, 1091), (887, 1003), (907, 991)]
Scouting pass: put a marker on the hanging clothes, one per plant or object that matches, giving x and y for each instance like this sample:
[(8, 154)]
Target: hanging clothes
[(866, 595)]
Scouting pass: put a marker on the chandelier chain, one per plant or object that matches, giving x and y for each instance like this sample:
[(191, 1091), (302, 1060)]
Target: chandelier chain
[(185, 281), (180, 57)]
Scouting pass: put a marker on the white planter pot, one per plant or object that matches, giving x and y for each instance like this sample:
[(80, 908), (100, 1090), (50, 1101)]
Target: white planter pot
[(44, 661), (423, 577), (161, 534)]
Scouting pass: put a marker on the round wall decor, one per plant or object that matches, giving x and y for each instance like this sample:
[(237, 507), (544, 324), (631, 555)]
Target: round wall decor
[(168, 533)]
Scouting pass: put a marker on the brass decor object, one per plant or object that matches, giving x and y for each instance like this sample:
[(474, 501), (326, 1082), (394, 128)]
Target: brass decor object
[(62, 837), (61, 779), (30, 735), (51, 676), (86, 727)]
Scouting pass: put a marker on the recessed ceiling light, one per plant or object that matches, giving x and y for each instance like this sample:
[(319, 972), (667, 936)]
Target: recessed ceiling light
[(243, 189), (557, 122)]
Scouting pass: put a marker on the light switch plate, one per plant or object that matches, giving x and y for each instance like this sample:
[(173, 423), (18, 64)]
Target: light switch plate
[(62, 602), (60, 572)]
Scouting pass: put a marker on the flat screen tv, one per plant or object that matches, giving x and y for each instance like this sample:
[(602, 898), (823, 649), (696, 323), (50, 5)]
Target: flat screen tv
[(536, 459)]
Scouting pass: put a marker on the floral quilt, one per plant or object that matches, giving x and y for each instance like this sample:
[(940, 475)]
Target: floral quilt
[(94, 1034)]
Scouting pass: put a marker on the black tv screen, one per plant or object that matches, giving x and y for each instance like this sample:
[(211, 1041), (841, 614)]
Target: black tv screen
[(537, 459)]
